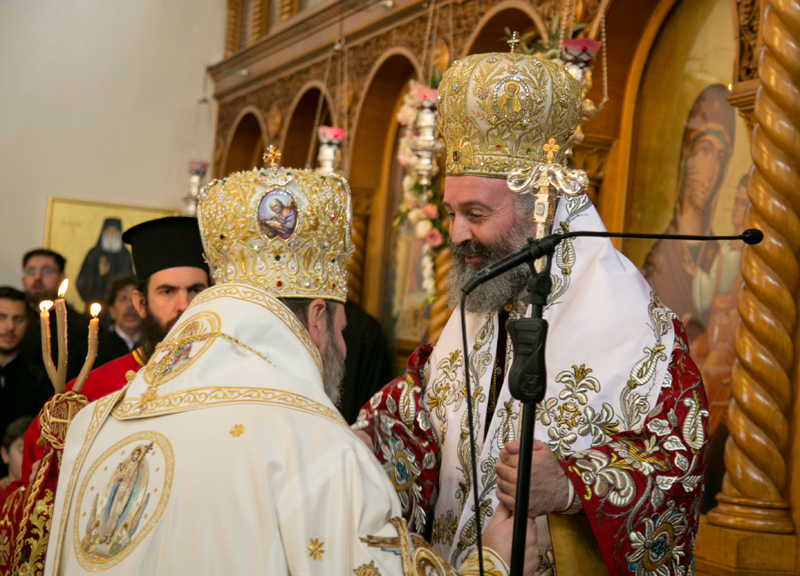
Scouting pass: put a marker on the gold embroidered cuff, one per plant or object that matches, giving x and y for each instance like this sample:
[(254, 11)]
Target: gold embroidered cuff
[(493, 564)]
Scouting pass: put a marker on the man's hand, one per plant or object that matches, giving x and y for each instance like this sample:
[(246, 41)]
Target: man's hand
[(549, 484), (499, 535)]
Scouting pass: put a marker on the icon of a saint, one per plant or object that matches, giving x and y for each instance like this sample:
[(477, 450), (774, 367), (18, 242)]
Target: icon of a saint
[(510, 103), (283, 219)]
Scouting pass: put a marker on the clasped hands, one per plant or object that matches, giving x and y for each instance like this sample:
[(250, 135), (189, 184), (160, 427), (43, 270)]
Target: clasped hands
[(549, 490)]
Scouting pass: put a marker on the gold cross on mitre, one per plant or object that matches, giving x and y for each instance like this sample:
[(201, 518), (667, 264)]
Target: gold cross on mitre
[(550, 149), (514, 42), (273, 156)]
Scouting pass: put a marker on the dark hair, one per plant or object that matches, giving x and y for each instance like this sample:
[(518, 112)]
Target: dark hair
[(16, 429), (9, 293), (142, 286), (59, 259), (116, 285), (299, 307)]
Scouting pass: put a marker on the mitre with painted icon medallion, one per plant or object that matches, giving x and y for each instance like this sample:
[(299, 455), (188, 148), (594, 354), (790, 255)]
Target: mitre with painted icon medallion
[(283, 230)]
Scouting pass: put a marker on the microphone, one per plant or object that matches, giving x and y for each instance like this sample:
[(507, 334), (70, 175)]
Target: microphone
[(547, 245)]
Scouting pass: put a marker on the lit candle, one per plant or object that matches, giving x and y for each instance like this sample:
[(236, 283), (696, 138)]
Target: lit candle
[(61, 328), (92, 354), (47, 355)]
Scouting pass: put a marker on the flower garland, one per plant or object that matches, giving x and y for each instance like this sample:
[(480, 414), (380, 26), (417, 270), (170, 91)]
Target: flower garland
[(421, 207)]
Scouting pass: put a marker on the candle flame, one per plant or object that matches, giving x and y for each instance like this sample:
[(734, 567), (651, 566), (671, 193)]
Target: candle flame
[(63, 288), (95, 309), (45, 305)]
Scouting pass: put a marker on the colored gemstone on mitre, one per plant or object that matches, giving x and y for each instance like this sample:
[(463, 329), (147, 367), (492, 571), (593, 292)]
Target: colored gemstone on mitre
[(279, 283)]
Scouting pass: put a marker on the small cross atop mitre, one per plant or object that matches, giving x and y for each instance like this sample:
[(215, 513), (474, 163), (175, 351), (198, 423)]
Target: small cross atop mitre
[(273, 157), (514, 41), (550, 149)]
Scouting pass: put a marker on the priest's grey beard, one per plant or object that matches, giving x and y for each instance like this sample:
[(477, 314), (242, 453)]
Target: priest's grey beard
[(493, 295), (110, 243), (332, 366)]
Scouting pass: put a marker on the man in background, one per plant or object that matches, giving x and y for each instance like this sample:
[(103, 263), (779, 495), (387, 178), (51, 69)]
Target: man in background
[(11, 451), (24, 388), (42, 274), (170, 272), (124, 331)]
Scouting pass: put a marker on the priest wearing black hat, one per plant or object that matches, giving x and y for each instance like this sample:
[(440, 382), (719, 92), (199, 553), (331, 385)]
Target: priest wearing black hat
[(171, 271)]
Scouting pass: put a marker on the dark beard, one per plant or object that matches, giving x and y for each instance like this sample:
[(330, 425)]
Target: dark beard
[(332, 367), (493, 295), (153, 332)]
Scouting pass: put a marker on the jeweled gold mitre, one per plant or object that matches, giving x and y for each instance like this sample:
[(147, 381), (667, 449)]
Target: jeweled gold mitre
[(497, 112), (283, 230)]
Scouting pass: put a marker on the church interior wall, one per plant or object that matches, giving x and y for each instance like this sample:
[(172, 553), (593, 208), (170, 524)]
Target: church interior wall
[(99, 102)]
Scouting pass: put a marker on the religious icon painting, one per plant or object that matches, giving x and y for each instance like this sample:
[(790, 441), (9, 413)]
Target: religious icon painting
[(690, 160), (511, 99), (89, 236), (182, 346), (277, 215), (121, 499)]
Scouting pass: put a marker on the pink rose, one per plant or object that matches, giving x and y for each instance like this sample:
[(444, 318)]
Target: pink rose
[(434, 238), (430, 211)]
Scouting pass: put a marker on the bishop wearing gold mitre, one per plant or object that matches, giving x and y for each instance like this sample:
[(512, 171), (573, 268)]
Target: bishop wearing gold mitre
[(241, 393), (620, 451)]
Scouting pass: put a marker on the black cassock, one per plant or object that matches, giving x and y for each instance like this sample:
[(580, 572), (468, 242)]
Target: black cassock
[(91, 285)]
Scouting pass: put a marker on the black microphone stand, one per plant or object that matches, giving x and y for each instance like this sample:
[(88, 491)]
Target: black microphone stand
[(527, 379), (527, 382)]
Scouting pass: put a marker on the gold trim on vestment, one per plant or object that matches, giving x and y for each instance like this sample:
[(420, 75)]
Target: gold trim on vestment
[(260, 298), (206, 397), (102, 409)]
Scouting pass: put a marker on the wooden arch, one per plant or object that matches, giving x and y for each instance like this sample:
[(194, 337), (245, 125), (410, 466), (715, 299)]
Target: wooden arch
[(370, 163), (515, 14), (297, 133), (245, 142)]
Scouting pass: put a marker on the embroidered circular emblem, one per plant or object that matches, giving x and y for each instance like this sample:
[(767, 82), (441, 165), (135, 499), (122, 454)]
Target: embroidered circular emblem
[(512, 99), (121, 499), (183, 346), (277, 215)]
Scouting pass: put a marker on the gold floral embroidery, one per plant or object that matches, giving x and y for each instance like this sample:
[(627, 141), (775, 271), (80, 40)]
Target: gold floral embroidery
[(315, 549), (237, 430), (569, 415)]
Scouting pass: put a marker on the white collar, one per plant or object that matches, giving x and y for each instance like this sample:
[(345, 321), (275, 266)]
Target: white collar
[(129, 342)]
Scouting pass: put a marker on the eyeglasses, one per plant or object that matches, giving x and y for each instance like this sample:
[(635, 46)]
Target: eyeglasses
[(44, 271)]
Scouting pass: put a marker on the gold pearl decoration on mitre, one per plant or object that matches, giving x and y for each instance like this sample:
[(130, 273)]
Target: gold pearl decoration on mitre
[(283, 230), (498, 111)]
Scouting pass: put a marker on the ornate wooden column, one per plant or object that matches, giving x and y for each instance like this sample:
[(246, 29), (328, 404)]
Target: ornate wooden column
[(751, 529)]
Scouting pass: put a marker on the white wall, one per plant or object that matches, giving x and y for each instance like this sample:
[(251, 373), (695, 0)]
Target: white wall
[(98, 101)]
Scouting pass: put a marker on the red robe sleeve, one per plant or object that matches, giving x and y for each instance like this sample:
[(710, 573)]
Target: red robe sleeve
[(642, 490), (404, 441)]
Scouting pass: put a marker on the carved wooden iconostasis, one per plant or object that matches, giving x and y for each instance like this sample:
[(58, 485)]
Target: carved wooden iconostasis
[(683, 145)]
